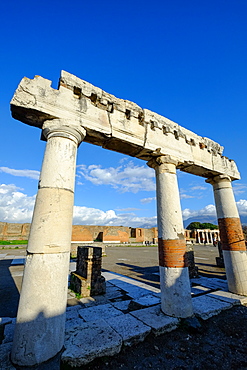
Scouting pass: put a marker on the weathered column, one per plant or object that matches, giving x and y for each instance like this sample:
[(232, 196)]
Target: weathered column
[(174, 275), (39, 333), (231, 235)]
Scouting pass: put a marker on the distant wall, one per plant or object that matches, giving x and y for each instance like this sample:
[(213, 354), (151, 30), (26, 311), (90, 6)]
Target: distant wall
[(85, 233), (14, 231)]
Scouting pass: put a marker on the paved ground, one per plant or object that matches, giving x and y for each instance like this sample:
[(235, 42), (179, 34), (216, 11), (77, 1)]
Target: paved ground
[(129, 312), (140, 263)]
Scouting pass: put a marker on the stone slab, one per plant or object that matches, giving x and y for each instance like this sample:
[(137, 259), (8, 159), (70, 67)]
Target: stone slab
[(129, 328), (72, 266), (89, 341), (103, 311), (3, 255), (10, 257), (113, 292), (72, 325), (88, 301), (211, 283), (5, 320), (122, 305), (9, 333), (159, 322), (206, 306), (5, 363), (72, 312), (18, 261), (147, 300), (195, 290), (235, 299)]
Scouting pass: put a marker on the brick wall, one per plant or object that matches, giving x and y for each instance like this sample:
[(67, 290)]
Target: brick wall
[(85, 233)]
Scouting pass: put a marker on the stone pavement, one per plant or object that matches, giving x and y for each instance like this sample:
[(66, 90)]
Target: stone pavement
[(126, 314)]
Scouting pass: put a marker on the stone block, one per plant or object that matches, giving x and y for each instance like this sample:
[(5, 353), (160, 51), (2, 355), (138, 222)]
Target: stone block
[(156, 319), (5, 363), (235, 299), (89, 341), (129, 328), (206, 306), (103, 311), (9, 333)]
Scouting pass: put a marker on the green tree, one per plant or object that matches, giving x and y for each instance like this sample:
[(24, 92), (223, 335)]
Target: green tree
[(208, 225), (194, 225), (198, 225)]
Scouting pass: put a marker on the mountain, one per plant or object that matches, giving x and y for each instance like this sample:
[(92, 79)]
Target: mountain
[(202, 219), (211, 219)]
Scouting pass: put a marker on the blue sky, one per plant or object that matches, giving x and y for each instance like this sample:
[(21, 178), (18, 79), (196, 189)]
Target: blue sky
[(185, 60)]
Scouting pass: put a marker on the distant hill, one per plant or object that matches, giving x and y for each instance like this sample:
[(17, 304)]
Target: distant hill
[(211, 219), (202, 219)]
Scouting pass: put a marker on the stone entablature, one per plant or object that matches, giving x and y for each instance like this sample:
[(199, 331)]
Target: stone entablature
[(118, 124)]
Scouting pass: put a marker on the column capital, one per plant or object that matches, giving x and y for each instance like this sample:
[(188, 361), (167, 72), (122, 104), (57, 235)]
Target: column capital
[(63, 128), (165, 163), (217, 179)]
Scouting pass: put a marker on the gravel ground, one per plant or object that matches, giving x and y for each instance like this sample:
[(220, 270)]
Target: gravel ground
[(219, 343)]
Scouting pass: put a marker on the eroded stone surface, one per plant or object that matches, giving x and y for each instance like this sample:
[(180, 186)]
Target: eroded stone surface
[(91, 340), (153, 316), (129, 328), (118, 124), (206, 306)]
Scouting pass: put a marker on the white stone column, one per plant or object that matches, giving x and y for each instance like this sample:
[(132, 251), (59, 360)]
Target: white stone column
[(174, 275), (39, 333), (231, 235)]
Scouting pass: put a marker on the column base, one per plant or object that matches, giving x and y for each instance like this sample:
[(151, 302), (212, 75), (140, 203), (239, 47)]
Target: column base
[(175, 292), (40, 325), (236, 271)]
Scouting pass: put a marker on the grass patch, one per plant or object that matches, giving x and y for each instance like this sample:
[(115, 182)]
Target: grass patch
[(135, 246), (12, 242)]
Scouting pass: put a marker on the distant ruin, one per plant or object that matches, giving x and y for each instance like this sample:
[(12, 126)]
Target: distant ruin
[(78, 111)]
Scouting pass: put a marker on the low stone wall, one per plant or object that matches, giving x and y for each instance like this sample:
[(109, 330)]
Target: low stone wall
[(9, 231), (86, 233)]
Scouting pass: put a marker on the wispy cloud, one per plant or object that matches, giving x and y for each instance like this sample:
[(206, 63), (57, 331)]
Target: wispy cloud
[(198, 187), (124, 178), (185, 196), (239, 188), (147, 200), (32, 174)]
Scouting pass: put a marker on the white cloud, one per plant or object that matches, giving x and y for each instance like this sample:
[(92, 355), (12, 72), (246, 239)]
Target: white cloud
[(239, 188), (124, 178), (15, 206), (186, 196), (147, 200), (242, 207), (127, 209), (93, 216), (32, 174), (209, 210), (198, 187)]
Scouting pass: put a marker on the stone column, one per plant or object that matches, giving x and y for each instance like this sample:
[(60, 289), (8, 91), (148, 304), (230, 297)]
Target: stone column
[(174, 275), (231, 235), (39, 333)]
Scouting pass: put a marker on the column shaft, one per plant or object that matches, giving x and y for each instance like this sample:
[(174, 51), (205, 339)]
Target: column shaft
[(231, 235), (174, 275), (39, 333)]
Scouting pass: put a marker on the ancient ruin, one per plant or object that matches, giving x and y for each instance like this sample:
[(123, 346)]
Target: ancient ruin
[(87, 279), (79, 111)]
